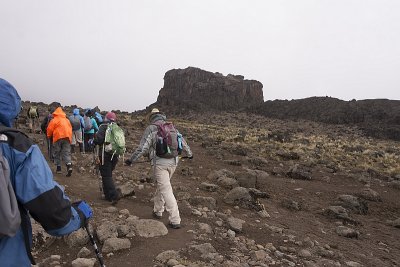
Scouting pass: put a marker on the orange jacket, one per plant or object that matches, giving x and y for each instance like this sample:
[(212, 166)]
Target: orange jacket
[(59, 127)]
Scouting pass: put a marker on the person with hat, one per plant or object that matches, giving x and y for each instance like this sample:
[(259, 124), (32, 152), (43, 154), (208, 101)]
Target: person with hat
[(107, 160), (90, 128), (163, 168), (29, 181)]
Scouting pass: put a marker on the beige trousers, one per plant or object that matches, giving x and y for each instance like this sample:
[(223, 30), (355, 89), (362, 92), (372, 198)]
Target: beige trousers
[(164, 197)]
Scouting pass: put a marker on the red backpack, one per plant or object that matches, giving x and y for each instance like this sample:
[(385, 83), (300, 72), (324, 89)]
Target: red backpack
[(169, 142)]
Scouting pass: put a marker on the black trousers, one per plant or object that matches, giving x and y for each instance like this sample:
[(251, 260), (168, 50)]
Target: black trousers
[(106, 168)]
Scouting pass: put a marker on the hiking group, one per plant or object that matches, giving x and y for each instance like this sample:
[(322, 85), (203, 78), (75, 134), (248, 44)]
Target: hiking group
[(27, 184)]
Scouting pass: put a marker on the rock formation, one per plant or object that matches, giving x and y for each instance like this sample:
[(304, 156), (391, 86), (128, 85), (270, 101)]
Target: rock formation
[(199, 90)]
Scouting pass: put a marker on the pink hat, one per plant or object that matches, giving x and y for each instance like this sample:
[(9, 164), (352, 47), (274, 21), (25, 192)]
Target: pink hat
[(111, 116)]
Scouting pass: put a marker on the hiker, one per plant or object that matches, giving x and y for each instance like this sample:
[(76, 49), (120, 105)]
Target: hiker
[(16, 120), (30, 182), (43, 127), (60, 130), (90, 129), (78, 125), (108, 158), (98, 118), (163, 168), (33, 117)]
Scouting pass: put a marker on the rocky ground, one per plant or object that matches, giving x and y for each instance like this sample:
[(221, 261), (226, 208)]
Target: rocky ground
[(259, 192)]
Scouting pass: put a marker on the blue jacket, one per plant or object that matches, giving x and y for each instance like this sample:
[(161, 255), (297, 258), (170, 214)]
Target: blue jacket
[(76, 112), (33, 184)]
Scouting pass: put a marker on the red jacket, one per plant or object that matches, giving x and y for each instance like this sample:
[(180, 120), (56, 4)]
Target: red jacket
[(59, 127)]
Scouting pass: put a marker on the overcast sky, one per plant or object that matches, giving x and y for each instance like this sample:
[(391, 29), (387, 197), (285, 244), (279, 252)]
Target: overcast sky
[(114, 54)]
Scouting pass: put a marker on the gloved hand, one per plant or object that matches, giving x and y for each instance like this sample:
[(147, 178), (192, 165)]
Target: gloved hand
[(84, 211), (90, 142), (128, 162)]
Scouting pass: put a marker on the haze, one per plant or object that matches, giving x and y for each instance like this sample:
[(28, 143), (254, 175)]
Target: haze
[(114, 54)]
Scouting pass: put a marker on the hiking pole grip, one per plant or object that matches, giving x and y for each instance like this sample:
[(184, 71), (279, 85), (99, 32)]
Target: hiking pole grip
[(98, 253)]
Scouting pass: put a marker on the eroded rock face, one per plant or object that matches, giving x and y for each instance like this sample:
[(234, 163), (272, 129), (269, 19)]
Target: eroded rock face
[(199, 89)]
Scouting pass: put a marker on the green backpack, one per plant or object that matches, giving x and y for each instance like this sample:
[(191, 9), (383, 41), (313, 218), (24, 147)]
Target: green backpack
[(114, 140)]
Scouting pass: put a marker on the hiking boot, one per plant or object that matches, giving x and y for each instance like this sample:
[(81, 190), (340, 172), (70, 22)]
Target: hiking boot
[(156, 216), (174, 226), (58, 170), (69, 169)]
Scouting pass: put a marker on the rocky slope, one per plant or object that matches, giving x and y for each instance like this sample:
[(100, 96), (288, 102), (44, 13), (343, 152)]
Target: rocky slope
[(378, 118), (259, 192)]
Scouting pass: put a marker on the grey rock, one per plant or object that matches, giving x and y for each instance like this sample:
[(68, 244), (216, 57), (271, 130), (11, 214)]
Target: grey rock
[(84, 253), (299, 172), (204, 249), (150, 228), (237, 196), (369, 194), (353, 264), (205, 228), (347, 232), (78, 238), (106, 230), (208, 202), (115, 244), (353, 203), (291, 204), (164, 256), (235, 224), (127, 189), (305, 253), (82, 262), (208, 187)]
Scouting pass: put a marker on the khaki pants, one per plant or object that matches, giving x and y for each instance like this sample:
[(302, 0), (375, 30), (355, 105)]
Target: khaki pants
[(164, 197)]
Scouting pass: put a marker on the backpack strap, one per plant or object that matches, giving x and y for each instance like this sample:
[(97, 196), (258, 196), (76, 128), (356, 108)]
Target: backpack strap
[(23, 212)]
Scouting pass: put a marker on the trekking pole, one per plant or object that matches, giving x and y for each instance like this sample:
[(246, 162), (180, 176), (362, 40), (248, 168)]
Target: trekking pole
[(97, 251), (83, 141), (97, 169)]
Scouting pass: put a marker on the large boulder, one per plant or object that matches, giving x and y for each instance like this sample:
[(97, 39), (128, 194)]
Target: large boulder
[(198, 89)]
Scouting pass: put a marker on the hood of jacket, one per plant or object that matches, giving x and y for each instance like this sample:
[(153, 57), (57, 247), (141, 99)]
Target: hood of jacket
[(76, 111), (59, 113), (10, 103)]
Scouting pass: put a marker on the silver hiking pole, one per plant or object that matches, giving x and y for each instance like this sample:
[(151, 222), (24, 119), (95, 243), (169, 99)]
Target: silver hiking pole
[(83, 141), (97, 251), (97, 169)]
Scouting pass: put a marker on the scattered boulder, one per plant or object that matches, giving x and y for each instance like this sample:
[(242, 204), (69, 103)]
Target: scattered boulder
[(235, 224), (150, 228), (82, 262), (208, 202), (77, 239), (347, 232), (127, 189), (338, 212), (291, 204), (352, 203), (208, 187), (164, 256), (369, 194), (299, 172), (115, 244), (245, 198), (106, 230)]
